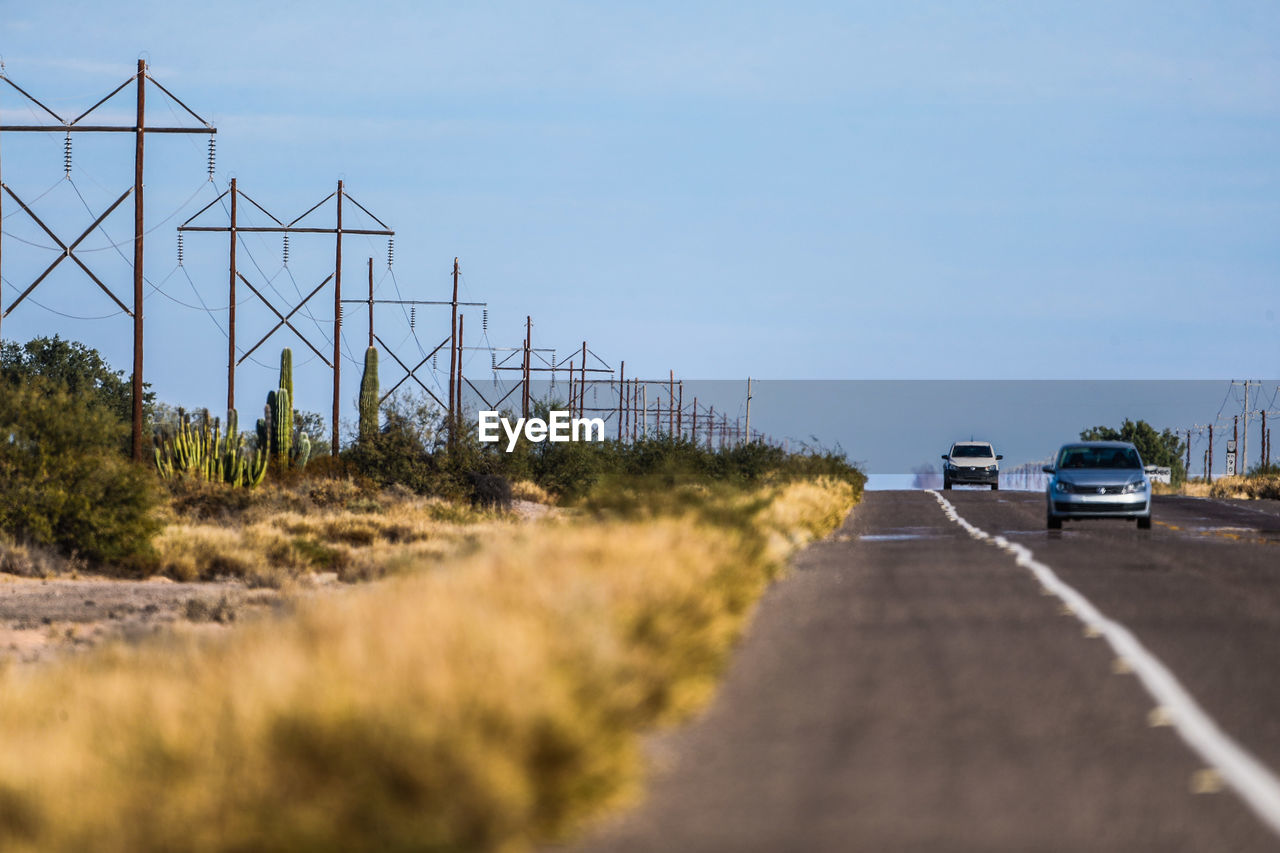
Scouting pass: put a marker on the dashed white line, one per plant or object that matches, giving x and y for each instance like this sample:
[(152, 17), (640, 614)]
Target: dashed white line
[(1253, 781)]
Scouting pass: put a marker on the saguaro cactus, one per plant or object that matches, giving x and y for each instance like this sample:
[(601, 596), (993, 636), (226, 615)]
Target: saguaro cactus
[(275, 429), (286, 371), (282, 426), (369, 395)]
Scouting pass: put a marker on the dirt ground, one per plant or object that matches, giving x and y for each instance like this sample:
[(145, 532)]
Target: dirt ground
[(45, 618), (41, 619)]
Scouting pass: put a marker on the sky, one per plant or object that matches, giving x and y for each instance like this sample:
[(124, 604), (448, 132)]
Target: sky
[(809, 190)]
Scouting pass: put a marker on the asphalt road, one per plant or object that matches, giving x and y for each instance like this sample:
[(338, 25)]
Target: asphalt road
[(909, 687)]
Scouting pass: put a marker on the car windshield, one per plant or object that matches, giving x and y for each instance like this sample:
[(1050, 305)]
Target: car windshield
[(966, 451), (1099, 457)]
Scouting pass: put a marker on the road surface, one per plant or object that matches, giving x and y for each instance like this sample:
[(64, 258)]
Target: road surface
[(911, 687)]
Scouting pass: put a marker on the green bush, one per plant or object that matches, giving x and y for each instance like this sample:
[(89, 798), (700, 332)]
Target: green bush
[(63, 481), (78, 368)]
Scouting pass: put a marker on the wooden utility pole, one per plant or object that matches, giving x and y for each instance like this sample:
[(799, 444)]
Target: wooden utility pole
[(139, 136), (231, 309), (622, 385), (139, 129), (528, 345), (371, 302), (748, 409), (582, 382), (284, 319), (337, 324), (457, 378), (680, 409), (1208, 475), (453, 349)]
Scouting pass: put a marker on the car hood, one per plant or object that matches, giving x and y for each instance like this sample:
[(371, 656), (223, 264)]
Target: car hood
[(1100, 476)]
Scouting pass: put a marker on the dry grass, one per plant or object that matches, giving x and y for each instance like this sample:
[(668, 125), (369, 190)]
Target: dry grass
[(483, 706), (1252, 487), (527, 490), (332, 527)]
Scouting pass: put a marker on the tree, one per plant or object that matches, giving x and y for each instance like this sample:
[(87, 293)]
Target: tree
[(77, 368), (1156, 448), (64, 482)]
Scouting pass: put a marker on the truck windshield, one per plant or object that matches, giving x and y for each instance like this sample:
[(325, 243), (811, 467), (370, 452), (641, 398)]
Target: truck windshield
[(968, 451)]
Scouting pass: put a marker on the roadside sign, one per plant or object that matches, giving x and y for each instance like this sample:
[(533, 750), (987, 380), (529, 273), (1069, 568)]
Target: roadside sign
[(1160, 475), (1231, 445), (1231, 461)]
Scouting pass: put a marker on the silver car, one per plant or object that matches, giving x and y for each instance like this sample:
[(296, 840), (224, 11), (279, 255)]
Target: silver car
[(1098, 479)]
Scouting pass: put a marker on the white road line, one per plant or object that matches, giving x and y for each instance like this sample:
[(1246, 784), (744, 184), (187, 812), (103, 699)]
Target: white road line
[(1249, 777)]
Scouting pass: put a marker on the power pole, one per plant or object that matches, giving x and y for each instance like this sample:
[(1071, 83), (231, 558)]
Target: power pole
[(1208, 473), (582, 383), (371, 303), (285, 319), (644, 407), (337, 324), (671, 402), (622, 384), (138, 232), (1244, 440), (748, 409), (528, 344), (457, 380), (453, 348), (680, 409), (231, 310), (139, 129)]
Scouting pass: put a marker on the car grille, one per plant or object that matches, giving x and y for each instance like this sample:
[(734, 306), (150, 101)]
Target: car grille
[(1093, 509), (1078, 489)]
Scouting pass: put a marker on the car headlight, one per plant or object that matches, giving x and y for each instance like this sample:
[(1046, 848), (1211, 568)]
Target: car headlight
[(1131, 488), (1062, 487), (993, 467)]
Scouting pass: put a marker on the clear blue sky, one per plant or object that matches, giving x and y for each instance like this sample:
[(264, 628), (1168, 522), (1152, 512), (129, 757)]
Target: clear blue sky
[(799, 190)]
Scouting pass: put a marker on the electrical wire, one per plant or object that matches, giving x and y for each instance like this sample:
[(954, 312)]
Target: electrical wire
[(30, 202), (41, 305)]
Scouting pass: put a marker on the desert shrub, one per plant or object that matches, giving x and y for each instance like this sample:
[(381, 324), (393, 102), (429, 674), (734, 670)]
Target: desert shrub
[(1251, 487), (490, 706), (490, 491), (79, 369), (64, 483)]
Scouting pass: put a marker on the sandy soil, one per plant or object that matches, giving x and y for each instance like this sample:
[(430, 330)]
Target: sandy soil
[(45, 618), (41, 619)]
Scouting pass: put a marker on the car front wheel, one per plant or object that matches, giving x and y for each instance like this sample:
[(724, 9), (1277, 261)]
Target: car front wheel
[(946, 484), (995, 487), (1053, 522), (1144, 523)]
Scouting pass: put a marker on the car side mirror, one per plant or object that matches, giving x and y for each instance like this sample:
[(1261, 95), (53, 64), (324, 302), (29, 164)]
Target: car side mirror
[(1049, 469), (998, 457), (945, 456)]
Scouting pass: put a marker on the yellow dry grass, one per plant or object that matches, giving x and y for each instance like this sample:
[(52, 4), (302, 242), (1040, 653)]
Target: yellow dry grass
[(483, 705), (1251, 487), (273, 546), (527, 490)]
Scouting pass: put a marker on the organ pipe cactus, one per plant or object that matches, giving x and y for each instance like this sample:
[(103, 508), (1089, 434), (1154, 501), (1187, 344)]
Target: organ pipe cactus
[(202, 451)]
